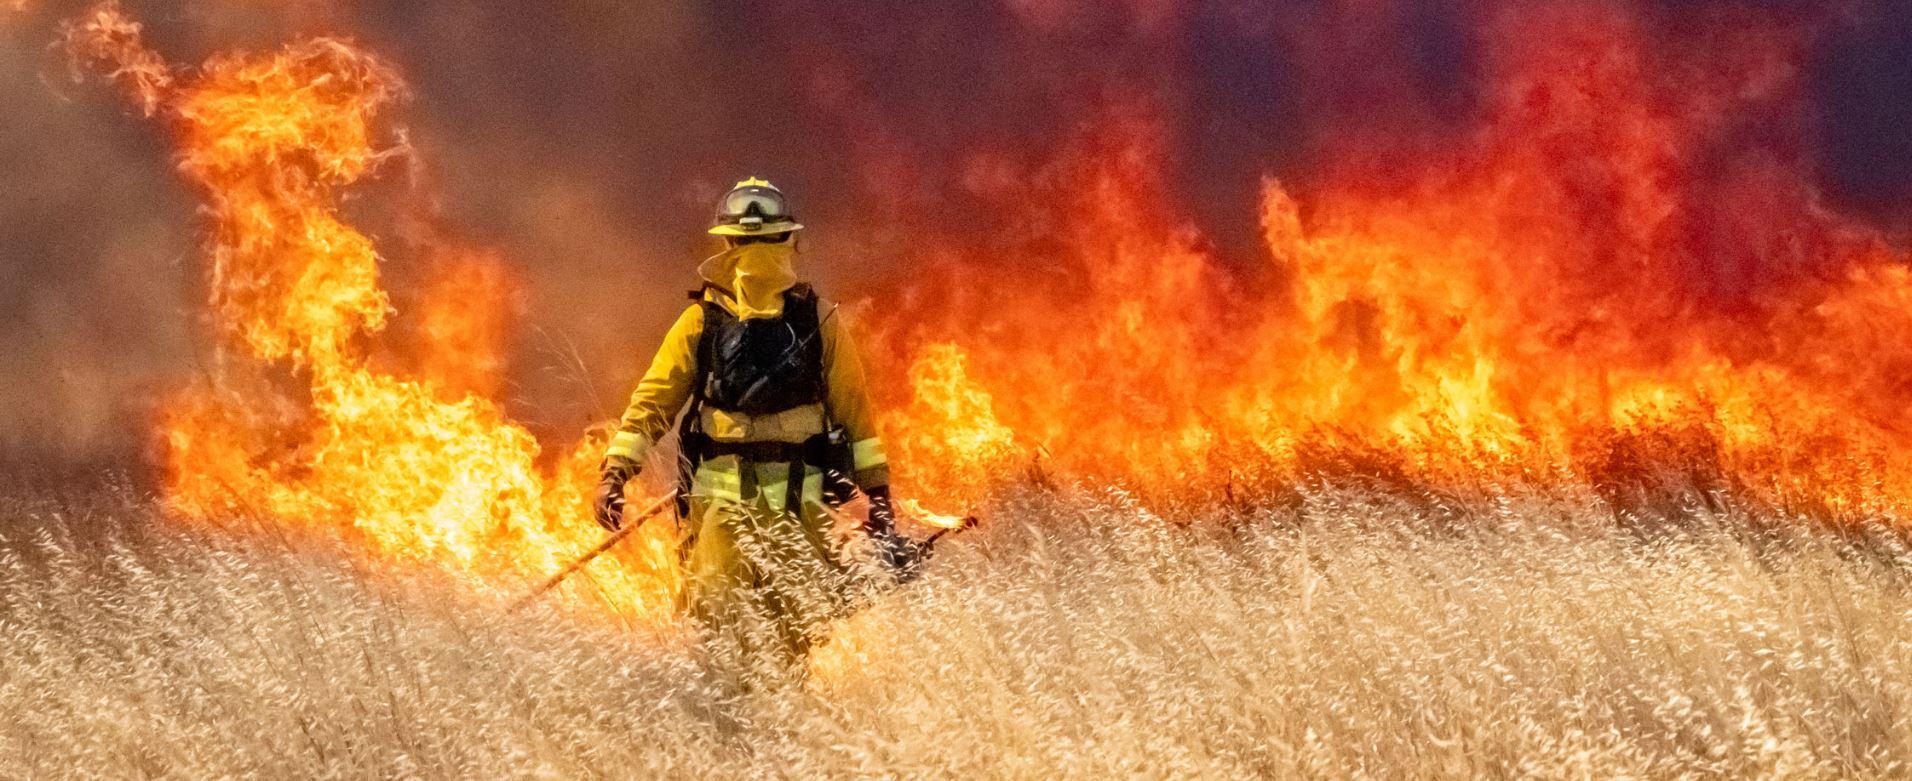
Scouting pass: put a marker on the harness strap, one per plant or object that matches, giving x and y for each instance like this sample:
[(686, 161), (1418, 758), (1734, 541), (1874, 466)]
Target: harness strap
[(809, 451), (793, 491)]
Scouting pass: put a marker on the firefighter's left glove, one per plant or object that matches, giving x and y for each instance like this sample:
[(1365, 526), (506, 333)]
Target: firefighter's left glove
[(608, 507), (902, 556)]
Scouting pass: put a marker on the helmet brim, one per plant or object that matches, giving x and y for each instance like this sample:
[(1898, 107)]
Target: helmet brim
[(765, 229)]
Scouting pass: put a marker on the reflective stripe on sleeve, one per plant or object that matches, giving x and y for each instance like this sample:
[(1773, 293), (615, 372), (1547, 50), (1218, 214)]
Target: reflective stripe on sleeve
[(868, 453), (627, 444)]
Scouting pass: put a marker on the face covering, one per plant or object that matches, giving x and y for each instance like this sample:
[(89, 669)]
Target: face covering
[(756, 275)]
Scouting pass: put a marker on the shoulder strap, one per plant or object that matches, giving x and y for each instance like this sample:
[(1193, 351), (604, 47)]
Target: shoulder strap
[(690, 427), (706, 346), (800, 309)]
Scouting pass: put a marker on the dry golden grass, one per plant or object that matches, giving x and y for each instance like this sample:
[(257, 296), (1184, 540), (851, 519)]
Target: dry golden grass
[(1349, 634)]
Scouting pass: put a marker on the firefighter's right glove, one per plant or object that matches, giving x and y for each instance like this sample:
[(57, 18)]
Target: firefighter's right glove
[(608, 507), (903, 557)]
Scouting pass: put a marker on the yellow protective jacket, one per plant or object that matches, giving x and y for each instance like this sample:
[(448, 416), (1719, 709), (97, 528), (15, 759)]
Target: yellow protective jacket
[(666, 387)]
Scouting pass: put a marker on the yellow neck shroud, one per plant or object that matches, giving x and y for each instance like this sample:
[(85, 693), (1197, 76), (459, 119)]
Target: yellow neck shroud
[(755, 276)]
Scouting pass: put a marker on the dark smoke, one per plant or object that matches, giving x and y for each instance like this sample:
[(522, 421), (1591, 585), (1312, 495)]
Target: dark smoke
[(1864, 84)]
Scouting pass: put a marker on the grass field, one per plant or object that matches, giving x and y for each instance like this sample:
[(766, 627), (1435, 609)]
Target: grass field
[(1350, 633)]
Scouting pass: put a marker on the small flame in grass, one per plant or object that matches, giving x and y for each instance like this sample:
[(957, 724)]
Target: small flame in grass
[(914, 510)]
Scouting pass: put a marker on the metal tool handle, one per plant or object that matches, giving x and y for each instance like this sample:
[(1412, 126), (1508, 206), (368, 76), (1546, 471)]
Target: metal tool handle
[(929, 543)]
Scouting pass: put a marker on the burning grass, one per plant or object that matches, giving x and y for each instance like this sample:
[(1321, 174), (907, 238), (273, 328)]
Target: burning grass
[(1349, 632), (1613, 401)]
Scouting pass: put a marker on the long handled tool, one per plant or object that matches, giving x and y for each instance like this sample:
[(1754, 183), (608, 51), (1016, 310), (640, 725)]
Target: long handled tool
[(926, 547), (929, 543), (631, 522), (923, 548)]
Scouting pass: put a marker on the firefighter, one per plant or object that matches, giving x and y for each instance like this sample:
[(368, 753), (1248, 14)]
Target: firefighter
[(778, 426)]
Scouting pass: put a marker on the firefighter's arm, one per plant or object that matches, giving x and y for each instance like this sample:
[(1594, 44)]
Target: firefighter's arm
[(662, 391), (850, 405)]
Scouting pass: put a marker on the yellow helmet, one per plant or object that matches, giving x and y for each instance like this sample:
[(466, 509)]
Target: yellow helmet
[(754, 208)]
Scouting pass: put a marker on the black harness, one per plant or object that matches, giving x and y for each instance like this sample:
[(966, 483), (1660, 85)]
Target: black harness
[(762, 366)]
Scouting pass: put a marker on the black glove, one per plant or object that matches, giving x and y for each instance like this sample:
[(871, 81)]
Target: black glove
[(902, 556), (608, 507)]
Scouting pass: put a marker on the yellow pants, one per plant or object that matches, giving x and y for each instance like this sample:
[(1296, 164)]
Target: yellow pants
[(762, 581)]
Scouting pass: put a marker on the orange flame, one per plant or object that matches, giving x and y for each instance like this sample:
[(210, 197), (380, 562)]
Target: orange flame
[(914, 510), (420, 468), (1575, 289), (1577, 271)]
